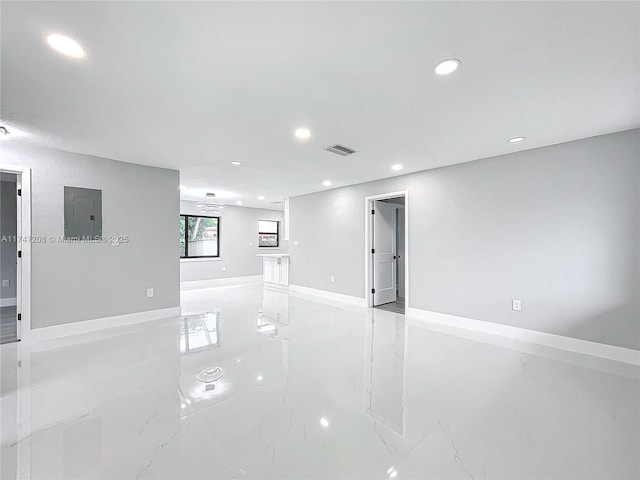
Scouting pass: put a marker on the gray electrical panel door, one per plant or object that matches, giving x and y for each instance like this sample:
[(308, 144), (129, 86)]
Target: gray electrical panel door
[(82, 213)]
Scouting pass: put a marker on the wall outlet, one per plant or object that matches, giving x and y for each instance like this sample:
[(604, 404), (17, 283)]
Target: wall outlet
[(516, 305), (224, 269), (296, 243), (6, 283), (333, 279), (150, 293)]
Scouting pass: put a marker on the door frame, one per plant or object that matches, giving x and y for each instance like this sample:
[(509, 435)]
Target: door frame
[(24, 296), (368, 241)]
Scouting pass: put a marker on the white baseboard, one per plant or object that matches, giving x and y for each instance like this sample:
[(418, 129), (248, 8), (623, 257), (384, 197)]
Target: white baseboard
[(336, 297), (448, 322), (195, 285), (276, 287), (87, 326), (8, 302)]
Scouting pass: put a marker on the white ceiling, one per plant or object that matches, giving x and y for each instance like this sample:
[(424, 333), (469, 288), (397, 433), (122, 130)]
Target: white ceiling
[(194, 86)]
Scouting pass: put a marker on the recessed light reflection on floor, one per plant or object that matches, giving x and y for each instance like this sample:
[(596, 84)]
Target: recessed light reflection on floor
[(392, 472)]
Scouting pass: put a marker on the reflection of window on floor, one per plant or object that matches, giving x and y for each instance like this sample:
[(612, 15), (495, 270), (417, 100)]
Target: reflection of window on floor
[(264, 327), (198, 332)]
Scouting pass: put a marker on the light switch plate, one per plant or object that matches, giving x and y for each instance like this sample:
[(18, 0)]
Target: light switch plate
[(150, 292), (516, 305), (6, 283)]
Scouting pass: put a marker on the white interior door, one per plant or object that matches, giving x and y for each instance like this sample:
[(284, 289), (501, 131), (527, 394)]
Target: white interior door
[(19, 244), (384, 256)]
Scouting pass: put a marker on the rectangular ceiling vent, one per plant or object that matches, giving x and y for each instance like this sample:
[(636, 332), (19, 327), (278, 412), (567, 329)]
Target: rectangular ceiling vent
[(340, 150)]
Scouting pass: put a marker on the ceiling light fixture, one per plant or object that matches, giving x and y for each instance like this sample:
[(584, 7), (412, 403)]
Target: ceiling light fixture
[(327, 183), (324, 422), (302, 133), (66, 46), (236, 163), (397, 167), (516, 139), (445, 67), (260, 197)]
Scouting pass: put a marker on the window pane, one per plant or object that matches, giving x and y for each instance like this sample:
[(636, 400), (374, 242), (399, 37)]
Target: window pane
[(202, 236), (267, 226), (182, 245)]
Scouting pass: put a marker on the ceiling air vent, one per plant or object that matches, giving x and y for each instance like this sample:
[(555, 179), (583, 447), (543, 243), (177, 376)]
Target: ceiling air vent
[(340, 150)]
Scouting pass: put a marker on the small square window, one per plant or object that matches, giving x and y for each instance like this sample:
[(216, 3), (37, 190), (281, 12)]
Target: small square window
[(199, 236)]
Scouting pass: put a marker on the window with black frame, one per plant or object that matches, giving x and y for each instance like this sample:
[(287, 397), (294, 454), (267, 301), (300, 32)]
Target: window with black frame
[(199, 236), (268, 233)]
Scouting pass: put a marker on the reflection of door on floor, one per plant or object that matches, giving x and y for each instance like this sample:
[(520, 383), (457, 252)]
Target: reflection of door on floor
[(9, 296)]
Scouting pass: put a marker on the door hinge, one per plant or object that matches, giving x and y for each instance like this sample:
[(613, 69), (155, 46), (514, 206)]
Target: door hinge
[(19, 316), (373, 250), (19, 253), (373, 212), (373, 290), (19, 192)]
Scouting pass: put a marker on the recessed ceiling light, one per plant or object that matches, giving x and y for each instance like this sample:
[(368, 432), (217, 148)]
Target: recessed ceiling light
[(516, 139), (324, 422), (260, 197), (236, 163), (445, 67), (327, 183), (239, 202), (396, 167), (66, 46), (302, 133)]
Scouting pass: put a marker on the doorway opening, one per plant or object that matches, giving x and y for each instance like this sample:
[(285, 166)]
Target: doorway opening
[(386, 265), (10, 256)]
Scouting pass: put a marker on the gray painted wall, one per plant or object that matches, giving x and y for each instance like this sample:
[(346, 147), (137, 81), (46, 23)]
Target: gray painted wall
[(238, 227), (8, 214), (558, 227), (82, 281)]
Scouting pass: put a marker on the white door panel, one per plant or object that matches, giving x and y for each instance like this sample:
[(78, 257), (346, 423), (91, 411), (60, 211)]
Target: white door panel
[(19, 244), (384, 245)]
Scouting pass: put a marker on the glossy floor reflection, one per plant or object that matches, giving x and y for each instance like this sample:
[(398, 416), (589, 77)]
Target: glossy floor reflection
[(310, 390)]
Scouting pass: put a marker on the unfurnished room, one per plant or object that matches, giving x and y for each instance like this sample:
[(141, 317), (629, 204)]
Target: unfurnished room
[(320, 240)]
